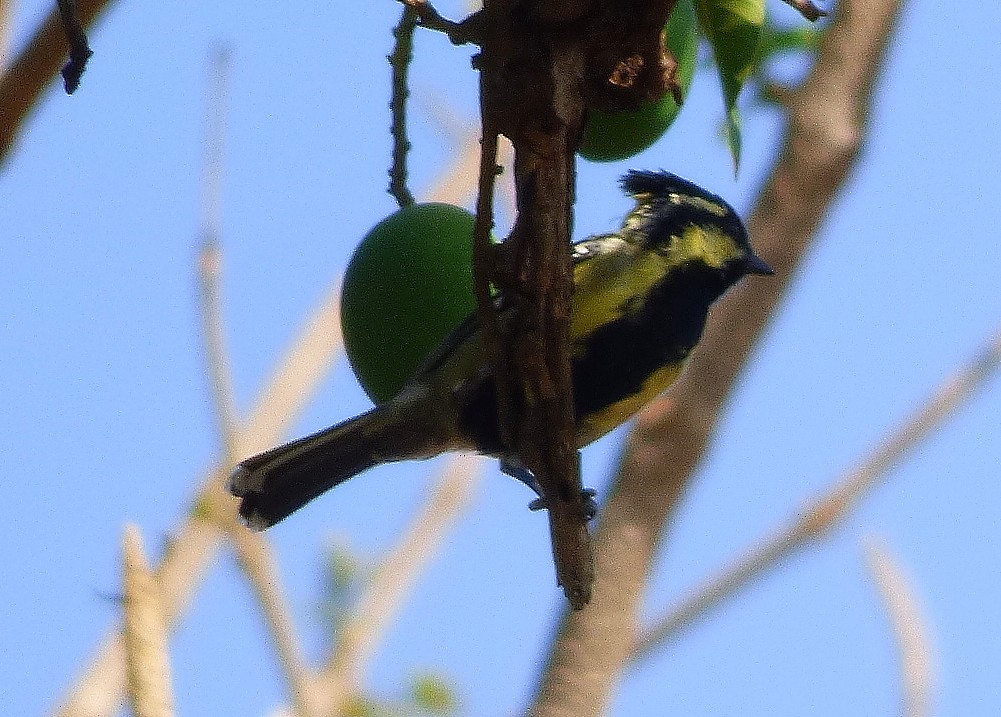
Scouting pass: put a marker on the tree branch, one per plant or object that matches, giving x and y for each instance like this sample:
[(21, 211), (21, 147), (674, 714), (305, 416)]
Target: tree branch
[(826, 126), (145, 638), (257, 559), (459, 33), (807, 9)]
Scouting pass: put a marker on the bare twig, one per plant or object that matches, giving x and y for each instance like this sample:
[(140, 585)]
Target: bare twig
[(259, 565), (917, 663), (80, 51), (150, 693), (23, 82), (825, 131), (807, 9), (822, 516), (210, 259), (459, 33), (399, 61)]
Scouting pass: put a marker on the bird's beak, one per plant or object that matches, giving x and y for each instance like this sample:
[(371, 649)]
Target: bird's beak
[(754, 264)]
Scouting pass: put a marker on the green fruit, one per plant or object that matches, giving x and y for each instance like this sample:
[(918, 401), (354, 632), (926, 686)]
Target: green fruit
[(611, 136), (408, 284)]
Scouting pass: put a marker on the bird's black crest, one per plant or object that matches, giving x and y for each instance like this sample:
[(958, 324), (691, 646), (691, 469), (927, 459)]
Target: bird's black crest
[(664, 216), (660, 184)]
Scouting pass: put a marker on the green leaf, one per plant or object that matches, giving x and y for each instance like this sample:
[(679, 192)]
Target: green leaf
[(778, 41), (734, 29)]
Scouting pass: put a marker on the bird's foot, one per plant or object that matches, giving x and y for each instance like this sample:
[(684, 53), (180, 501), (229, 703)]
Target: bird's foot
[(512, 466)]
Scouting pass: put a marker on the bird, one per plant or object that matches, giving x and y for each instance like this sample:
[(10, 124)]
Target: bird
[(640, 300)]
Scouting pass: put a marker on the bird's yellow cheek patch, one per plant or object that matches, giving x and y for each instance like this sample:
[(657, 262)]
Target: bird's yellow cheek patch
[(709, 244), (597, 424)]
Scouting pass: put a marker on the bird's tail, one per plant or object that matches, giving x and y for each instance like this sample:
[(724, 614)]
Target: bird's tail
[(276, 483)]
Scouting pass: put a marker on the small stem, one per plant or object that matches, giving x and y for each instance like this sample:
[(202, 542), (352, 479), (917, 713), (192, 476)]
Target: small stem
[(807, 9), (399, 60), (460, 33), (80, 51)]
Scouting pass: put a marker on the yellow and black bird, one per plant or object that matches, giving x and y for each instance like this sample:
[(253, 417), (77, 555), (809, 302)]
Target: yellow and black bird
[(640, 301)]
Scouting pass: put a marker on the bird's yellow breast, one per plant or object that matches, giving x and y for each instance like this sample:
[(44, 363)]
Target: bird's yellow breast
[(596, 424)]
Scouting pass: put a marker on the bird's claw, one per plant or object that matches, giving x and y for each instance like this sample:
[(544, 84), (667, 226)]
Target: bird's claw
[(587, 498), (512, 466)]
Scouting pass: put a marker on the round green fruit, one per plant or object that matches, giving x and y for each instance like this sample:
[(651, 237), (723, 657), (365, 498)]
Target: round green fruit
[(611, 136), (408, 284)]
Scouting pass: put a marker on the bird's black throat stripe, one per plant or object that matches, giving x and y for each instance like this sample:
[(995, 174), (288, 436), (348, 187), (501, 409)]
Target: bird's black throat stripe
[(619, 356)]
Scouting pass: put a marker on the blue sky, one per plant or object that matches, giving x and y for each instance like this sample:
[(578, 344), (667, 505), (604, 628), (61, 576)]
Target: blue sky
[(107, 419)]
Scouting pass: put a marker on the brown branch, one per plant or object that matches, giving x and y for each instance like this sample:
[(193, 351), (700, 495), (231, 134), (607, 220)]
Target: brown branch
[(826, 127), (22, 84), (543, 64), (531, 91)]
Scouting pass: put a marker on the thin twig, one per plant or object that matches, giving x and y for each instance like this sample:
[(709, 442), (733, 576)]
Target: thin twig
[(483, 268), (917, 663), (821, 516), (80, 51), (210, 260), (258, 562), (807, 9), (459, 33), (149, 688), (399, 61), (99, 689)]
